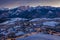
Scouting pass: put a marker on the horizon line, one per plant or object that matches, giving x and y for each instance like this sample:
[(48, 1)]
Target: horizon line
[(29, 6)]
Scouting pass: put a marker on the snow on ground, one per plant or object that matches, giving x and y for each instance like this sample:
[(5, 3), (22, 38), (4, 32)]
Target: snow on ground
[(38, 19), (40, 36), (19, 33), (50, 23), (12, 20)]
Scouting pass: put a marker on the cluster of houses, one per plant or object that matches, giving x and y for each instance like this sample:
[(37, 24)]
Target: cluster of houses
[(20, 27)]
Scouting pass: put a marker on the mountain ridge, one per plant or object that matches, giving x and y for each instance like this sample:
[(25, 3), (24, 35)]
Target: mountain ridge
[(31, 12)]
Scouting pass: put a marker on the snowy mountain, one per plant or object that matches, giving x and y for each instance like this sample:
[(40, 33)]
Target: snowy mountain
[(31, 12)]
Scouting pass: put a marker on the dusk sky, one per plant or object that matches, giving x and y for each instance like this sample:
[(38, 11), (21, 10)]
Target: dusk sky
[(16, 3)]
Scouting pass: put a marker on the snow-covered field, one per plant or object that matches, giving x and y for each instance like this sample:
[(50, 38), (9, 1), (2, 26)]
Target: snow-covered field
[(40, 36)]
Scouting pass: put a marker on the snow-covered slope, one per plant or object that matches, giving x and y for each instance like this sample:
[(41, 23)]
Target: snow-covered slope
[(40, 36)]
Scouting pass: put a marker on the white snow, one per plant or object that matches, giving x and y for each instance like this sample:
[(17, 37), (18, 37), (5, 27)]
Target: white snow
[(36, 19), (40, 36), (19, 33), (50, 23), (12, 21)]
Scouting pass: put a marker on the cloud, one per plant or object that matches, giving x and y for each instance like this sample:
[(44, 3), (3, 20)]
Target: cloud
[(14, 3)]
